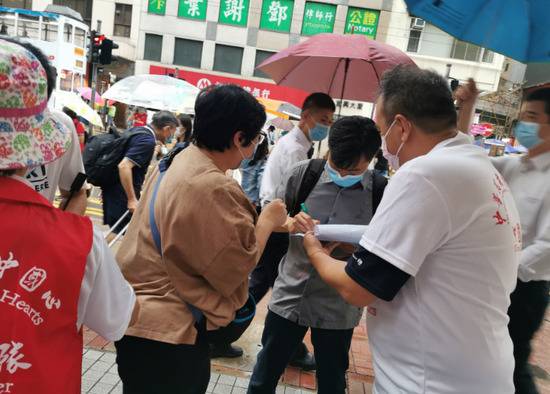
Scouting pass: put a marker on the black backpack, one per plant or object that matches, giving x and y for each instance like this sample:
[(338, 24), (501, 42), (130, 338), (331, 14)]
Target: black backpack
[(310, 178), (103, 152)]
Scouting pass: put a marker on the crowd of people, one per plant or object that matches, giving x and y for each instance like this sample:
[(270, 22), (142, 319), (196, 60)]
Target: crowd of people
[(452, 271)]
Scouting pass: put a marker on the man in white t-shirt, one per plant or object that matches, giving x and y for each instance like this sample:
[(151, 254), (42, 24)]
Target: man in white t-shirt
[(439, 259), (47, 178)]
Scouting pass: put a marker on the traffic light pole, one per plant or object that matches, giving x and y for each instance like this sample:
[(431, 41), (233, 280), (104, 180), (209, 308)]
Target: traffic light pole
[(94, 80), (94, 85)]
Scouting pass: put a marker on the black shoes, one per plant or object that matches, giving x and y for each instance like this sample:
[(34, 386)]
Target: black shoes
[(225, 350)]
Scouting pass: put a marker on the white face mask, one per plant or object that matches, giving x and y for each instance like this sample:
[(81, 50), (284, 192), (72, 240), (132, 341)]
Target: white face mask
[(393, 160)]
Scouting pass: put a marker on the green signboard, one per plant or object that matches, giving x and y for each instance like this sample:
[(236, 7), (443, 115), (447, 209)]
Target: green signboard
[(157, 7), (234, 12), (193, 9), (277, 15), (362, 21), (318, 18)]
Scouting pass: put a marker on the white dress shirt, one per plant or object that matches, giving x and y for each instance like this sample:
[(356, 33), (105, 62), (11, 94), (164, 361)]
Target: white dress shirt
[(529, 181), (289, 150), (106, 299)]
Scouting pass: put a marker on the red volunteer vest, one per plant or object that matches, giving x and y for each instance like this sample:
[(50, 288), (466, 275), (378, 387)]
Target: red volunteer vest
[(43, 255)]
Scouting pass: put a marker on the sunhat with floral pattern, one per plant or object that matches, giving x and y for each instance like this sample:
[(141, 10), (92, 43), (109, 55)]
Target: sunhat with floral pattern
[(29, 135)]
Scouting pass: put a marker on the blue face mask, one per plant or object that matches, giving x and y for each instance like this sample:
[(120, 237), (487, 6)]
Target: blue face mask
[(319, 132), (343, 181), (527, 134)]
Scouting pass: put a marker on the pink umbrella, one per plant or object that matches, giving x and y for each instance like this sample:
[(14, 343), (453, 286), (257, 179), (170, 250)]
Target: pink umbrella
[(344, 66), (86, 93)]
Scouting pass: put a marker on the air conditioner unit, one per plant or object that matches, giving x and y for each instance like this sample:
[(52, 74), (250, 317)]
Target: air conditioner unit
[(418, 23)]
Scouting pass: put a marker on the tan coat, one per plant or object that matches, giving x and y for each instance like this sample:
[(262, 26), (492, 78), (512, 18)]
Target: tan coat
[(207, 232)]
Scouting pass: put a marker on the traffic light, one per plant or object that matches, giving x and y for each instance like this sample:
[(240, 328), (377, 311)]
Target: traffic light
[(106, 54), (96, 40)]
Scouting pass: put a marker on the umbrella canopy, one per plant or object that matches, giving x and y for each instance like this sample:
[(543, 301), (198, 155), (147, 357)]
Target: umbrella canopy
[(518, 29), (62, 98), (343, 66), (280, 109), (86, 94), (280, 123), (154, 91)]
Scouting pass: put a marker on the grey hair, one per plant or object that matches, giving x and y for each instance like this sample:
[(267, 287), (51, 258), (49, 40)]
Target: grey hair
[(422, 96)]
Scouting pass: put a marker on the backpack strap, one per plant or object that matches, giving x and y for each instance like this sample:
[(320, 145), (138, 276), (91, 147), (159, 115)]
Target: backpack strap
[(309, 179), (197, 314), (379, 183)]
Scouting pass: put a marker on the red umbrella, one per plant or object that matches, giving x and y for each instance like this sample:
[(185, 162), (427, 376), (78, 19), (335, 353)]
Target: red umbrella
[(344, 66)]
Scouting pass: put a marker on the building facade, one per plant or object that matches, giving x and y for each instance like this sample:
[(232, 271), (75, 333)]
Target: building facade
[(209, 41)]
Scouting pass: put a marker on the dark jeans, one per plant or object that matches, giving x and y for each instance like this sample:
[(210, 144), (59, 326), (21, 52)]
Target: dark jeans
[(151, 367), (281, 338), (115, 204), (528, 304), (264, 275)]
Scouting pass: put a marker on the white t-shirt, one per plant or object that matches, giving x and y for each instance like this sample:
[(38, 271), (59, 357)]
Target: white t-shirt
[(61, 172), (448, 219), (529, 181), (289, 150)]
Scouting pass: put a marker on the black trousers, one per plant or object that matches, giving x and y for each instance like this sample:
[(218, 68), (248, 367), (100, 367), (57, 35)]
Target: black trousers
[(528, 305), (264, 275), (281, 338), (151, 367)]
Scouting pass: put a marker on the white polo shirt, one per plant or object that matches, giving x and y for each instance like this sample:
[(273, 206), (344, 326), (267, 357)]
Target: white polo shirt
[(288, 151), (529, 182), (447, 219)]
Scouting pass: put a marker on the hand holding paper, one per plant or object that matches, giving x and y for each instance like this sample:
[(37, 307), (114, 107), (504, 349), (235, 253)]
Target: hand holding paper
[(348, 233)]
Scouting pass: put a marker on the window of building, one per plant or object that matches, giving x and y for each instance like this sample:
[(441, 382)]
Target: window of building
[(466, 51), (488, 56), (27, 4), (261, 56), (188, 53), (153, 47), (228, 59), (79, 37), (415, 32), (49, 29), (28, 26), (123, 20), (68, 33)]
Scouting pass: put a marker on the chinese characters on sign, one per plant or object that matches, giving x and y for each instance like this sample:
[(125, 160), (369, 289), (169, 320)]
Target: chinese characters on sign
[(157, 7), (318, 18), (277, 15), (362, 21), (193, 9), (234, 12)]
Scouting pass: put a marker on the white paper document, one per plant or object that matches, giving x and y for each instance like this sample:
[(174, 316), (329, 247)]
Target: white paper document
[(349, 233)]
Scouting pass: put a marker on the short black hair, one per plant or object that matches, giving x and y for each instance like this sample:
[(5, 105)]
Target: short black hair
[(51, 72), (164, 118), (541, 95), (185, 121), (223, 110), (319, 101), (70, 113), (352, 138), (423, 96)]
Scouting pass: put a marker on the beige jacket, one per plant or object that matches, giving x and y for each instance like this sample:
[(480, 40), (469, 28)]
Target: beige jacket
[(207, 230)]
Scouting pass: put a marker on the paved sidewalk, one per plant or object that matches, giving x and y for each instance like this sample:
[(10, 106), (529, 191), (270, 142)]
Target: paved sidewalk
[(100, 376)]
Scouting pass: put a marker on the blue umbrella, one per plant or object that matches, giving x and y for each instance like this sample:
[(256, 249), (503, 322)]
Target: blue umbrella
[(516, 28)]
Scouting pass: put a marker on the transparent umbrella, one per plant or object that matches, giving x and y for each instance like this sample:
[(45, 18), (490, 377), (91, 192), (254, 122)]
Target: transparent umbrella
[(62, 98), (154, 91)]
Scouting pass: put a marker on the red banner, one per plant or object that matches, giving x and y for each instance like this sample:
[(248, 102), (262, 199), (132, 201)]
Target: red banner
[(257, 89)]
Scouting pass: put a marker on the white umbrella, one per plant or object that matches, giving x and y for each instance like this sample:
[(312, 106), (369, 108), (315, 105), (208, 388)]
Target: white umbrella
[(62, 98), (154, 91)]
